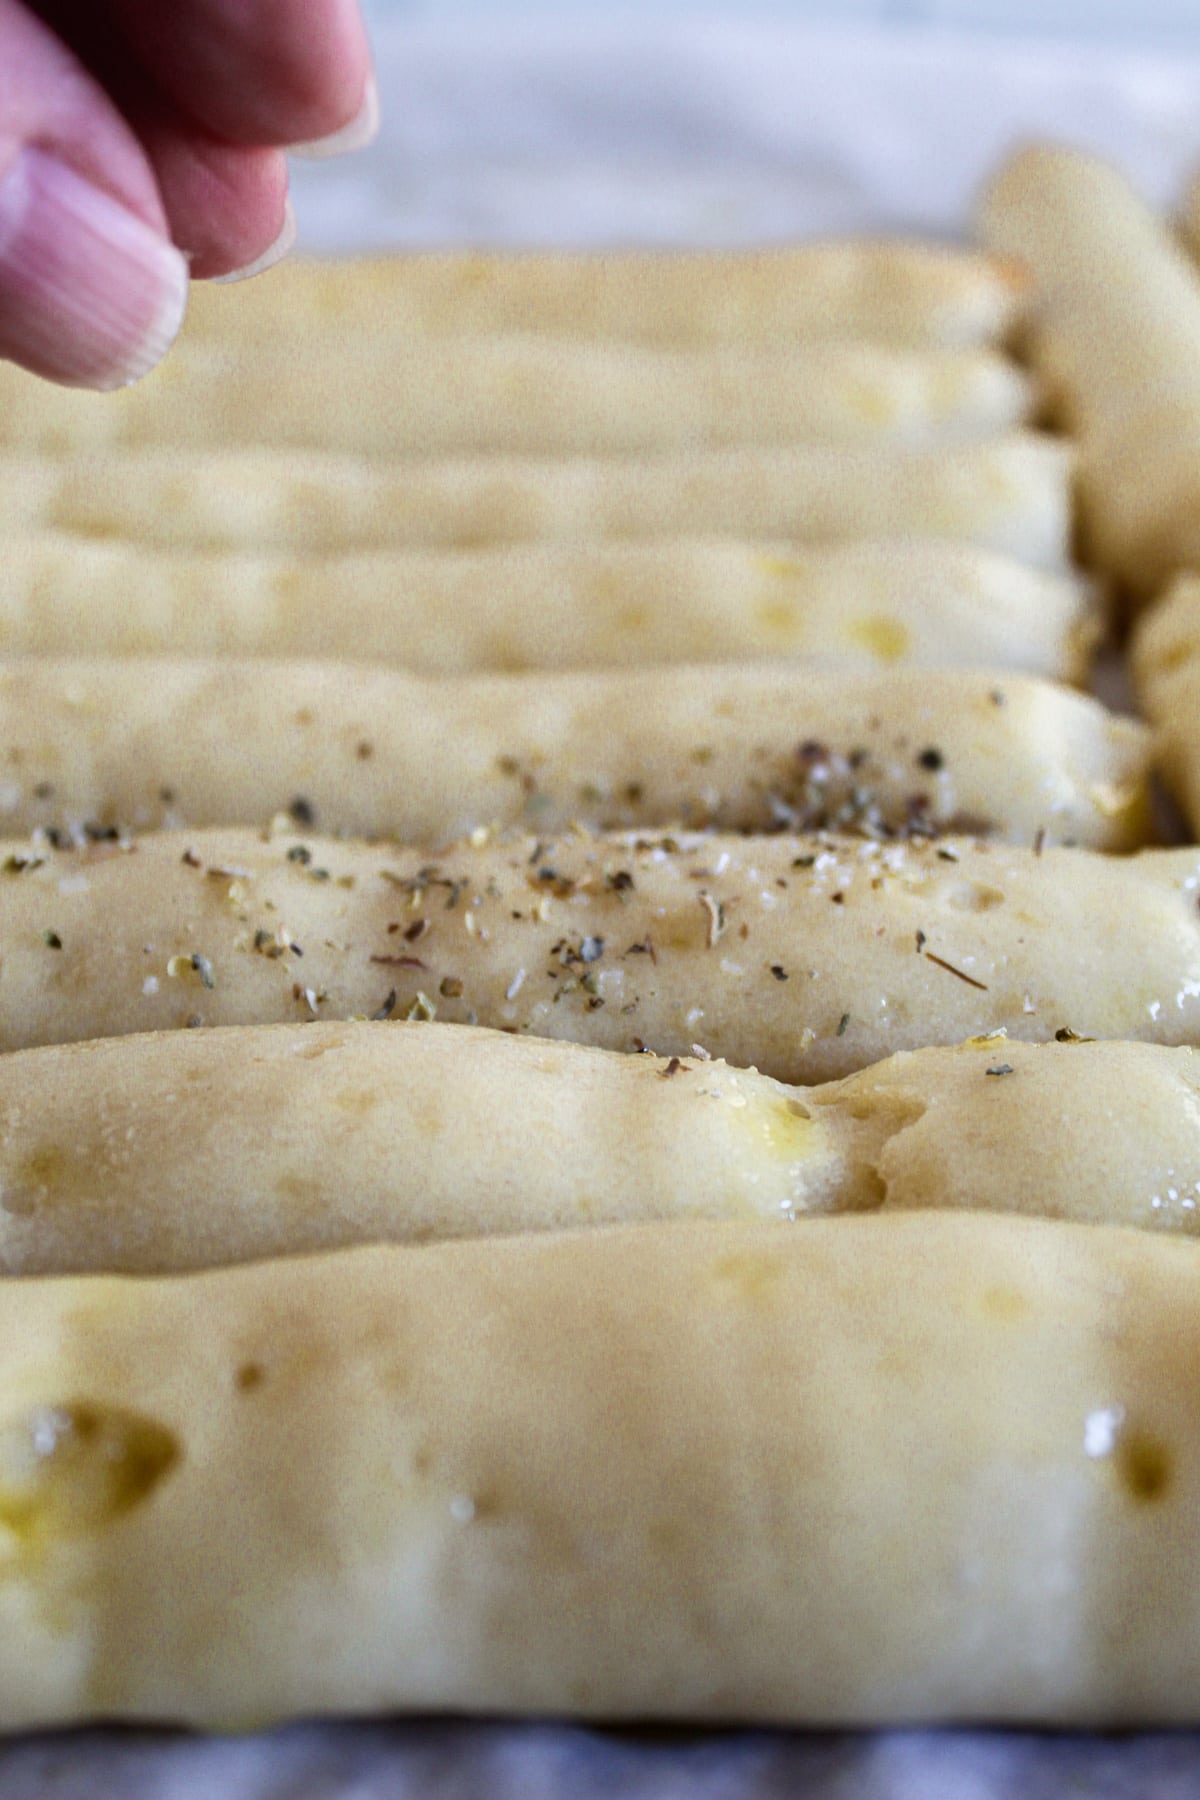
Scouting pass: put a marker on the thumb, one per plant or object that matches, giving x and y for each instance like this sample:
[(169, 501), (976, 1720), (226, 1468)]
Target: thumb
[(89, 293), (92, 291)]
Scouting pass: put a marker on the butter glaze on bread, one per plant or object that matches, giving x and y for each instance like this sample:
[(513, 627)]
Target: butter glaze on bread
[(805, 956), (168, 1152), (930, 1466)]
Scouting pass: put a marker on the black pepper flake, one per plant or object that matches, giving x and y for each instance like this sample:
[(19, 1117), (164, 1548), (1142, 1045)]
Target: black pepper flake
[(921, 942), (416, 930), (620, 882), (931, 758), (1000, 1069), (302, 810), (299, 853), (804, 862), (1039, 840), (947, 856), (388, 1007), (560, 885), (191, 859), (779, 972), (364, 749), (591, 949), (838, 899), (842, 1024), (204, 970), (673, 1068), (996, 697), (51, 939)]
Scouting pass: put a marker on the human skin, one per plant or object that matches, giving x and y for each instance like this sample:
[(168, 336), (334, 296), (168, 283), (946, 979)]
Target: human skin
[(143, 146)]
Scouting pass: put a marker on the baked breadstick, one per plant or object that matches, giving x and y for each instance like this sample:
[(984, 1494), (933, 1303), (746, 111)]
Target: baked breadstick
[(806, 957), (1012, 495), (1165, 658), (147, 1155), (531, 396), (920, 1467), (1116, 333), (382, 753), (920, 295), (563, 606)]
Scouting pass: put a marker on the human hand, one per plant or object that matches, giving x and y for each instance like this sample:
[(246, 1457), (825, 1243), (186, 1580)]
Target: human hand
[(140, 143)]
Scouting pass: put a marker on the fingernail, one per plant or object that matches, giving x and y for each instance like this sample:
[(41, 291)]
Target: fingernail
[(90, 294), (360, 132), (274, 252)]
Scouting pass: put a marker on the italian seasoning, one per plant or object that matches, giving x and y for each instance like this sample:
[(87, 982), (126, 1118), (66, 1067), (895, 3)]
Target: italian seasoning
[(918, 947)]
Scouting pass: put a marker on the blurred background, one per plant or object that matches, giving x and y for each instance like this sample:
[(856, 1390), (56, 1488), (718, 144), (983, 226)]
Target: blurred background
[(1162, 21), (592, 122)]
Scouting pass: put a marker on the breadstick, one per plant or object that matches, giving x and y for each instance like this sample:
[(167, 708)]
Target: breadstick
[(1165, 658), (919, 295), (543, 606), (531, 396), (806, 957), (915, 1467), (147, 1155), (1012, 495), (1190, 220), (382, 753), (1116, 333)]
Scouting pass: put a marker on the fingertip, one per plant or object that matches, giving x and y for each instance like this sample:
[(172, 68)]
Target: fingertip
[(90, 294), (274, 252), (361, 130), (226, 204)]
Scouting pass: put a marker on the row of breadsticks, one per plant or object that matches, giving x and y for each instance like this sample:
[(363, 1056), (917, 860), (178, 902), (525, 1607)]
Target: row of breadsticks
[(1115, 336), (724, 1458), (820, 453)]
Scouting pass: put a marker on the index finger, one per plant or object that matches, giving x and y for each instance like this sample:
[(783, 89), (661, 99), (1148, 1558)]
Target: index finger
[(276, 73)]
